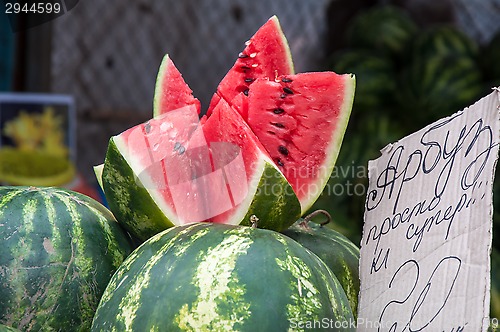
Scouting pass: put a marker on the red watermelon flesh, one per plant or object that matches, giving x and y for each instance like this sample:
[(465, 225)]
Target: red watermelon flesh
[(300, 120), (171, 91), (234, 148), (266, 55), (151, 147)]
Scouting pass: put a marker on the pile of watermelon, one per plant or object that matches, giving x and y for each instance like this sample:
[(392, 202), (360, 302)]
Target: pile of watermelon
[(214, 202), (408, 75)]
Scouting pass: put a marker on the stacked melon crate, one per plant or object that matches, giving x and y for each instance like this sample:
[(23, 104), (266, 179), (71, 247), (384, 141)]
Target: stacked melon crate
[(408, 75)]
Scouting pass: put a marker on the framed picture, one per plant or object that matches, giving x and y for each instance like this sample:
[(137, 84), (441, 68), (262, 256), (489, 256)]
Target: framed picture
[(38, 122)]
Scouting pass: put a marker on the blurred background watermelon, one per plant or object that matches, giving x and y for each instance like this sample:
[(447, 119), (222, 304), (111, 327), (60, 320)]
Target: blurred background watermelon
[(414, 64)]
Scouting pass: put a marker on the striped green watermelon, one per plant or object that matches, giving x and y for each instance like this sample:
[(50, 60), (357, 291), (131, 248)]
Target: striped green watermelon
[(337, 251), (59, 250), (438, 85), (385, 29), (213, 277), (443, 40), (375, 84), (265, 128), (171, 90), (5, 328)]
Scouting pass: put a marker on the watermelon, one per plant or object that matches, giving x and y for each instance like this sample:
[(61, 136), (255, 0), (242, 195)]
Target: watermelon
[(59, 251), (444, 40), (171, 90), (215, 277), (386, 29), (5, 328), (375, 84), (333, 248), (173, 171), (266, 55), (261, 121), (301, 120)]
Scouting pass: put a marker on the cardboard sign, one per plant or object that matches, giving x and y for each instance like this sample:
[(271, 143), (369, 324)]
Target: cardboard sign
[(425, 252)]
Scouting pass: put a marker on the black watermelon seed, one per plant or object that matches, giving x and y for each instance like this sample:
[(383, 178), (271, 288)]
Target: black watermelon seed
[(242, 55), (278, 110), (245, 68), (249, 80), (286, 80), (271, 132), (147, 127), (177, 145), (245, 92), (277, 124), (283, 150), (287, 90), (279, 162), (283, 95), (182, 150)]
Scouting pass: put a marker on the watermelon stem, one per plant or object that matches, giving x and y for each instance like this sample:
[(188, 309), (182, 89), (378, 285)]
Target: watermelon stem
[(254, 221), (314, 214)]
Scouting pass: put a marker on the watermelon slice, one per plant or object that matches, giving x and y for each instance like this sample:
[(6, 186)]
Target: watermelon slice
[(266, 55), (301, 119), (171, 91), (172, 171)]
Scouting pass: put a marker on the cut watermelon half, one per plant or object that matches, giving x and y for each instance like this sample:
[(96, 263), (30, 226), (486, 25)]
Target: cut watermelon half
[(171, 91), (173, 171)]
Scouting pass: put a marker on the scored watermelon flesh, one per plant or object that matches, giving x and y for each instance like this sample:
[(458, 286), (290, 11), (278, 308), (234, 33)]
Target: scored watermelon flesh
[(288, 126), (196, 172)]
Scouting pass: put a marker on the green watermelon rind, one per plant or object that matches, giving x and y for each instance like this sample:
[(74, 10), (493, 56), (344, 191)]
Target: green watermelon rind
[(131, 203), (230, 278), (162, 71), (143, 213), (285, 44)]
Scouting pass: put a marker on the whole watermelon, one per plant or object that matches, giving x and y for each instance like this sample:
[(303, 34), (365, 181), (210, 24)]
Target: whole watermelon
[(384, 29), (217, 277), (5, 328), (337, 251), (59, 250), (438, 85), (375, 84)]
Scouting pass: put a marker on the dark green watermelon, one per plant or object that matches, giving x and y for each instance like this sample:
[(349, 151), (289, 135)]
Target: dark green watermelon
[(5, 328), (216, 277), (336, 250), (385, 29), (59, 250), (439, 85), (375, 83)]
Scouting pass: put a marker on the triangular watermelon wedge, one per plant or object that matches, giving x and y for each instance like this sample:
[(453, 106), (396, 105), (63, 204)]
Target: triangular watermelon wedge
[(301, 120), (266, 55), (171, 91), (172, 171)]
